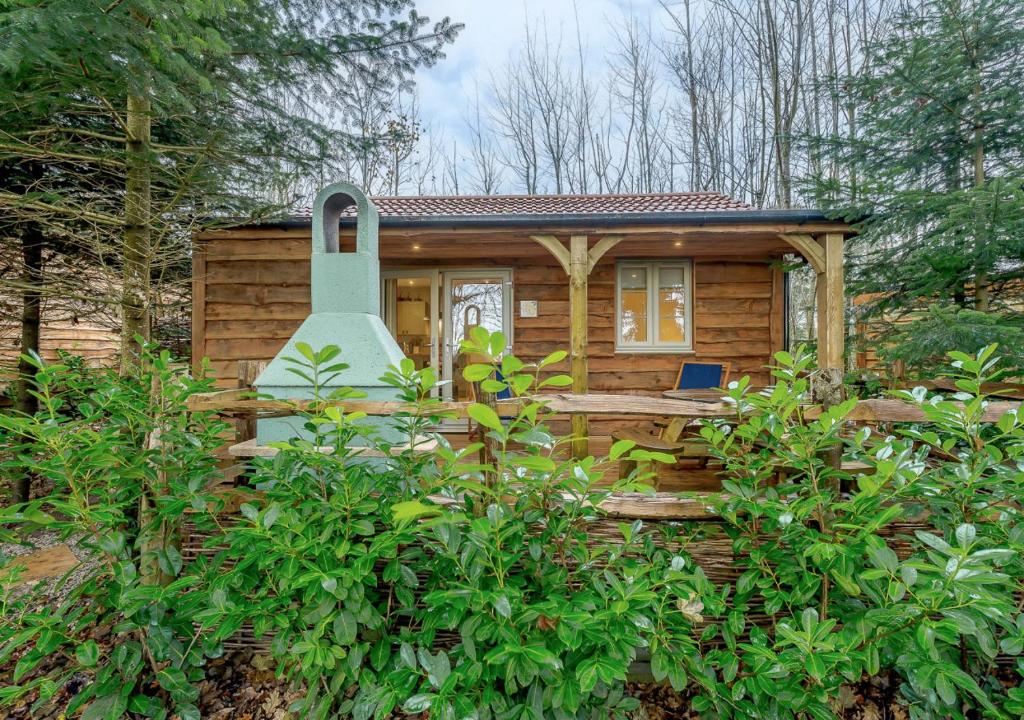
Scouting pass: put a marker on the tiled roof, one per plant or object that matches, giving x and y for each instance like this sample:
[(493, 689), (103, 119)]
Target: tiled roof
[(553, 204), (425, 206)]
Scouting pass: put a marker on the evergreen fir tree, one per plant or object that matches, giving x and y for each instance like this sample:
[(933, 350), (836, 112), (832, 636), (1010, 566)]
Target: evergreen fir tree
[(146, 115), (935, 180)]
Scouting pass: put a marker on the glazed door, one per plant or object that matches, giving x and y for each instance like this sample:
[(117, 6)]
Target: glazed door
[(471, 298), (411, 313)]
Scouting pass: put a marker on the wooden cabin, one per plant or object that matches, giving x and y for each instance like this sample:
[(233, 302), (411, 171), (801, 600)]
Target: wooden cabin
[(632, 285), (92, 339), (89, 330)]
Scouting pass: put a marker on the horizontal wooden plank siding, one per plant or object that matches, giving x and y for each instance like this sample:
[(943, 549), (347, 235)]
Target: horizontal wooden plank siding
[(255, 293), (96, 343)]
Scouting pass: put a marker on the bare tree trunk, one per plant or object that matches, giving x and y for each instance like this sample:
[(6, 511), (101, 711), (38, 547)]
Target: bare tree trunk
[(695, 168), (31, 312), (810, 307), (982, 299), (137, 232)]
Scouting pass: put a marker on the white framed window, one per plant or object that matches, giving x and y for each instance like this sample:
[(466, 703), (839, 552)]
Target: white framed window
[(653, 306)]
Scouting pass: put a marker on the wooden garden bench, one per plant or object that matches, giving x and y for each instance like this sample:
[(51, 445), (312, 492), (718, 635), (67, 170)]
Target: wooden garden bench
[(669, 441)]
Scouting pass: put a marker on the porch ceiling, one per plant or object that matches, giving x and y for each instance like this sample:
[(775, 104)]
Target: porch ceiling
[(456, 244)]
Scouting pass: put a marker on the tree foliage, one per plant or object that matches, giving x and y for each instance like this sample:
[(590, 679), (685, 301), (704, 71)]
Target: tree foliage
[(935, 177), (126, 122)]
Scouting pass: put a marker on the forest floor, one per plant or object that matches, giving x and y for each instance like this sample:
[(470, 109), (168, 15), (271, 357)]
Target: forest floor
[(243, 686)]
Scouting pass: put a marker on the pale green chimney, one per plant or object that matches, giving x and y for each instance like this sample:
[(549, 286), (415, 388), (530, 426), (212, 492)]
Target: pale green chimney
[(346, 312)]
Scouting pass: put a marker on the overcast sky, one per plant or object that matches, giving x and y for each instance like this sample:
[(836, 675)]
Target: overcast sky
[(496, 29)]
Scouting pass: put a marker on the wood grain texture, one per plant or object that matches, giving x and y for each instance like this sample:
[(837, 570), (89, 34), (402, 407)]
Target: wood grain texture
[(236, 402), (94, 340), (199, 285), (609, 405), (579, 269), (256, 294), (831, 298), (884, 411), (807, 246), (51, 562)]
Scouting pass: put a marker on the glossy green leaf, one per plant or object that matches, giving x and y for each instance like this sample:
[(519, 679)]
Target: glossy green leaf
[(484, 416)]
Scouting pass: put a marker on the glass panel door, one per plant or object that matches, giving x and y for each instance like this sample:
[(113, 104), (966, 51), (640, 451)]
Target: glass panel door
[(410, 313), (472, 298)]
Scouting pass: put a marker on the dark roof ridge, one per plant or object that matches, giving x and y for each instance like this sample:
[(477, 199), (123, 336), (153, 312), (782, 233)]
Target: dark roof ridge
[(477, 196)]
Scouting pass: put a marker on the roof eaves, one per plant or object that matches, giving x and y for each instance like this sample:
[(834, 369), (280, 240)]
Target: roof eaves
[(688, 218)]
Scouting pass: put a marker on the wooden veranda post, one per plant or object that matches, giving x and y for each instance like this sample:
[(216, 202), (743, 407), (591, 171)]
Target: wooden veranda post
[(831, 299), (825, 255), (578, 273), (578, 261)]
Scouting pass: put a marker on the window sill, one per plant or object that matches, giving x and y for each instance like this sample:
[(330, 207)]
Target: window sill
[(627, 350)]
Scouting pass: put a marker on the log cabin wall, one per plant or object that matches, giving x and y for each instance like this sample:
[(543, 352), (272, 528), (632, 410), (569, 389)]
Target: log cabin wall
[(95, 342), (251, 292)]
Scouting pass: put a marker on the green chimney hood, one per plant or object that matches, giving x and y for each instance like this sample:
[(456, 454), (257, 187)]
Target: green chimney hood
[(346, 312)]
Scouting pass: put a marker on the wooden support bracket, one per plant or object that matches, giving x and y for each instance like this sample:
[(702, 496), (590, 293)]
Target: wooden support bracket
[(555, 247), (807, 246), (600, 248)]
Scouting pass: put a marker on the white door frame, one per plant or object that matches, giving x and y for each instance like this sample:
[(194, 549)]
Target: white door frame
[(390, 309), (505, 274)]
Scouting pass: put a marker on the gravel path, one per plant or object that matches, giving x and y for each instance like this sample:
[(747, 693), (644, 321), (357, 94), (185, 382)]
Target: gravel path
[(53, 591)]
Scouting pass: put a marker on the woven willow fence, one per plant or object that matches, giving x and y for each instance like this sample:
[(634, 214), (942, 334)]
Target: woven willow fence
[(676, 521)]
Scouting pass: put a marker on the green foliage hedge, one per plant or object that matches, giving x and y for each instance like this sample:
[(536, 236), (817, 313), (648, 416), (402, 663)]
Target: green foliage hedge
[(466, 583)]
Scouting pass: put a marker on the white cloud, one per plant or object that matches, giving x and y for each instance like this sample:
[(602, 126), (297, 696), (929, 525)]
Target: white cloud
[(497, 29)]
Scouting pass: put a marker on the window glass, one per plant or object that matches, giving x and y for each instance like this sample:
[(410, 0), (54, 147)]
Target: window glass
[(672, 305), (474, 301), (633, 304), (653, 305)]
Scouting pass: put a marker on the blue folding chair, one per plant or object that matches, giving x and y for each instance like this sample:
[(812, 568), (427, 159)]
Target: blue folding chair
[(505, 394), (702, 376)]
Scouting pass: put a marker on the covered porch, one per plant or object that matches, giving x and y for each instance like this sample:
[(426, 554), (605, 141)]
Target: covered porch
[(568, 294), (562, 273)]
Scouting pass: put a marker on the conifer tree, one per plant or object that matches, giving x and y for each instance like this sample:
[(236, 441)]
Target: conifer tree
[(935, 180), (148, 114), (125, 122)]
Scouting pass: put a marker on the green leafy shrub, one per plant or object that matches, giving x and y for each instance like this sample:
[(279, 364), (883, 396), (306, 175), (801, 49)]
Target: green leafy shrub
[(125, 460), (392, 575), (314, 559), (521, 613), (361, 576), (822, 566)]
